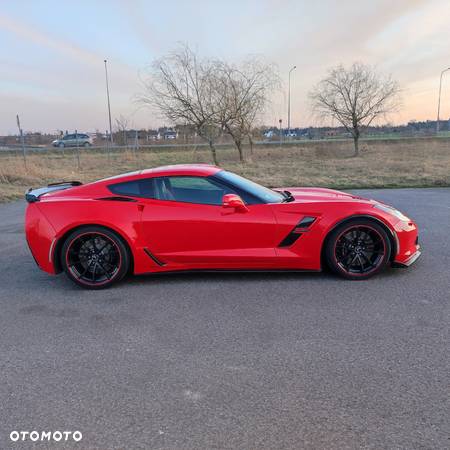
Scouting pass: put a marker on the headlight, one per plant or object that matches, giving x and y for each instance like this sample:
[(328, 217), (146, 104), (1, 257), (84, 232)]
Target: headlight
[(392, 211)]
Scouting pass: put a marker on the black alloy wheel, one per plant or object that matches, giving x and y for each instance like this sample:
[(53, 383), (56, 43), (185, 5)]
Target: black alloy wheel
[(358, 249), (95, 257)]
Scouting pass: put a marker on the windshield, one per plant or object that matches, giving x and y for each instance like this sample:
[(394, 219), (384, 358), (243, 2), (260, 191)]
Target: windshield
[(255, 189)]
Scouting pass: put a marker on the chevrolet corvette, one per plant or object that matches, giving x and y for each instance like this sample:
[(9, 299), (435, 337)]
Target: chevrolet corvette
[(200, 217)]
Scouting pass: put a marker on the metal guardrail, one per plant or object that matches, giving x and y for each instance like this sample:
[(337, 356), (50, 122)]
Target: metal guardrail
[(146, 147)]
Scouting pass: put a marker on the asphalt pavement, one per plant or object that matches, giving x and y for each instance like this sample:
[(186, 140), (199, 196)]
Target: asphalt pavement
[(231, 361)]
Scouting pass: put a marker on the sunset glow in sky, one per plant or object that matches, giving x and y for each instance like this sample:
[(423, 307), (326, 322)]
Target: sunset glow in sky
[(51, 53)]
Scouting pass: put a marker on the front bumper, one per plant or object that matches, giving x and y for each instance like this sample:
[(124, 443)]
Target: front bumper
[(411, 260), (408, 248)]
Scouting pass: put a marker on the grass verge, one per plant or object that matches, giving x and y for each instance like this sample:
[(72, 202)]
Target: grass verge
[(387, 164)]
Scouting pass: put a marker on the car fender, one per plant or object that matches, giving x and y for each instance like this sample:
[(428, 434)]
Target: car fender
[(387, 223), (121, 217)]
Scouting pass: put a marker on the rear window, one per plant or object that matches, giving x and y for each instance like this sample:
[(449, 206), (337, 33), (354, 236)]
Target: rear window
[(136, 188)]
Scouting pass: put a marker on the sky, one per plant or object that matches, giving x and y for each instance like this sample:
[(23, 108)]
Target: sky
[(52, 53)]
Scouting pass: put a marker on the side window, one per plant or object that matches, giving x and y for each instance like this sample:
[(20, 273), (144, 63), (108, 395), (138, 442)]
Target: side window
[(137, 188), (189, 189)]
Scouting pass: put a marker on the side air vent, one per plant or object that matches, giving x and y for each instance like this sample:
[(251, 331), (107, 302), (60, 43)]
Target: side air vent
[(153, 257), (289, 239), (306, 222), (117, 199), (298, 230)]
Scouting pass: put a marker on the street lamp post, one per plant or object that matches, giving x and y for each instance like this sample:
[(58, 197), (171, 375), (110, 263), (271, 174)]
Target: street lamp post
[(281, 131), (439, 99), (289, 99), (109, 106)]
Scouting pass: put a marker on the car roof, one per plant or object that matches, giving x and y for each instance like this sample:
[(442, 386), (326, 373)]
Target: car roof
[(202, 170), (199, 170), (90, 189)]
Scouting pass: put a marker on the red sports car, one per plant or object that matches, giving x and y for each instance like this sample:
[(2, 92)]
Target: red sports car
[(200, 217)]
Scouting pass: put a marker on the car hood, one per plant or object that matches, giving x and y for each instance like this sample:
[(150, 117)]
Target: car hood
[(322, 195)]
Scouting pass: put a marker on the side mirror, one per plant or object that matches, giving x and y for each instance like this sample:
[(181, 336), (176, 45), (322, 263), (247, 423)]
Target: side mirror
[(234, 201)]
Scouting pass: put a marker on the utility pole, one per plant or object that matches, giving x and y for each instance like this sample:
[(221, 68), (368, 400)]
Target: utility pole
[(22, 141), (289, 99), (78, 149), (136, 142), (109, 105), (281, 131), (439, 99)]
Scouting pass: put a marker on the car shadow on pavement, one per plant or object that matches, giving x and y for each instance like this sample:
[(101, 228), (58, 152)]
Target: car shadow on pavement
[(60, 282), (225, 276)]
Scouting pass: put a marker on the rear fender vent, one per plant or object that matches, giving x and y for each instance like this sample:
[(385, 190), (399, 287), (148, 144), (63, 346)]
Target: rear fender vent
[(153, 257)]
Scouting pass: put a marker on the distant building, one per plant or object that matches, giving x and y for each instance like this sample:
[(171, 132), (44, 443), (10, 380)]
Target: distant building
[(170, 134), (153, 135)]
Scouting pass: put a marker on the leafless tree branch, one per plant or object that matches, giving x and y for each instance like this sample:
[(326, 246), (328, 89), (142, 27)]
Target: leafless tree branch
[(211, 95)]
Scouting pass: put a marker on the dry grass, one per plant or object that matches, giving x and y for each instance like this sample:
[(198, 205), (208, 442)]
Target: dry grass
[(396, 163)]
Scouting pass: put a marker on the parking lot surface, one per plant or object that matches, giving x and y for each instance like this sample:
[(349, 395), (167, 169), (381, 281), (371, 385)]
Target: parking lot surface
[(231, 361)]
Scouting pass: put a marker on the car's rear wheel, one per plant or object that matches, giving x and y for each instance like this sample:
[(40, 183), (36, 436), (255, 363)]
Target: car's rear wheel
[(358, 249), (95, 257)]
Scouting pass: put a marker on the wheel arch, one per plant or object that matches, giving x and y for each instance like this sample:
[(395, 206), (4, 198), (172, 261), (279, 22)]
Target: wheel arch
[(56, 256), (387, 229)]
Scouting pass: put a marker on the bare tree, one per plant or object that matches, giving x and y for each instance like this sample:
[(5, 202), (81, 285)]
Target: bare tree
[(243, 94), (355, 97), (181, 88), (212, 95), (121, 129)]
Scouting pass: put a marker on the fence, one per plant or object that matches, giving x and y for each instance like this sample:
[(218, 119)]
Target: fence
[(383, 163)]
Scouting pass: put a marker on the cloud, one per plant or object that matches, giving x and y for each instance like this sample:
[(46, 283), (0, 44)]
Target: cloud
[(68, 50), (407, 38), (140, 20), (40, 38), (71, 84)]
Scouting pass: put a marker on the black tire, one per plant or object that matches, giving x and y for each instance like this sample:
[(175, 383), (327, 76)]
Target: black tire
[(86, 144), (61, 145), (358, 249), (95, 257)]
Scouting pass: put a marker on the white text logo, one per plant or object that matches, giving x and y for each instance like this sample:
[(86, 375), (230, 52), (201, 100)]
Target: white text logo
[(56, 436)]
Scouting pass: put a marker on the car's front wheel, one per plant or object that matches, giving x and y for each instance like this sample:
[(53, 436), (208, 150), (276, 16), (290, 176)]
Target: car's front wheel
[(86, 144), (61, 145), (358, 249), (95, 257)]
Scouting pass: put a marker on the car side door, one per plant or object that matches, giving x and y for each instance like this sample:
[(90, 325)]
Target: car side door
[(185, 223), (69, 140)]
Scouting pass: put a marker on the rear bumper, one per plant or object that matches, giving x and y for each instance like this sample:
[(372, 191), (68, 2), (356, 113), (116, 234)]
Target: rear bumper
[(40, 237)]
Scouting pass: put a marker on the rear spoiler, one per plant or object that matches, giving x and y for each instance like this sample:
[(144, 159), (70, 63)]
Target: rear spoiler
[(32, 195)]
